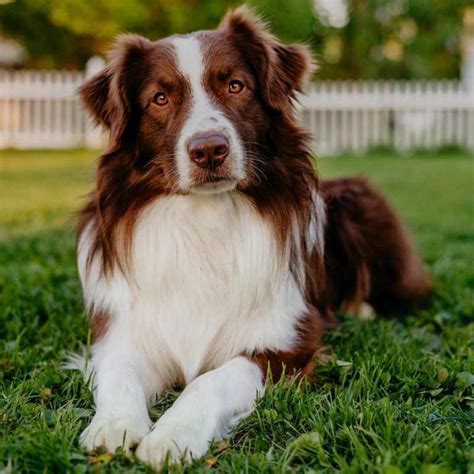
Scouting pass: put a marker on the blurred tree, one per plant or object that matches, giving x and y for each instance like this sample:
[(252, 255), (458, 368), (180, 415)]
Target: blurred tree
[(373, 39), (392, 39), (65, 33)]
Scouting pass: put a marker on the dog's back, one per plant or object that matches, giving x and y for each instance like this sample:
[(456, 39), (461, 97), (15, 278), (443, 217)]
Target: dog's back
[(369, 255)]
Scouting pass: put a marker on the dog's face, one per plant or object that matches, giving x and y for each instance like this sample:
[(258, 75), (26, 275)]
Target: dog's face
[(197, 113), (201, 110)]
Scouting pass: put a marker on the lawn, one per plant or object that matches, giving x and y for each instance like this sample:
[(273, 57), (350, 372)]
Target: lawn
[(393, 396)]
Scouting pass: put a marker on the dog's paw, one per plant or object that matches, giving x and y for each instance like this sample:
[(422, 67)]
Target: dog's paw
[(366, 312), (172, 441), (114, 432)]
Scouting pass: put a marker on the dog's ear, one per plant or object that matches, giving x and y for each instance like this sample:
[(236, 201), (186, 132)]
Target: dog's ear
[(282, 70), (109, 94)]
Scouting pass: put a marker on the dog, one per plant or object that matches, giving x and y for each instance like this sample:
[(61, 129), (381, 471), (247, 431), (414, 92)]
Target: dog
[(210, 253)]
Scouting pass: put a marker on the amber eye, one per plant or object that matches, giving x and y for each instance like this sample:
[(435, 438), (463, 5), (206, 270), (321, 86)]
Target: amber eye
[(160, 98), (235, 87)]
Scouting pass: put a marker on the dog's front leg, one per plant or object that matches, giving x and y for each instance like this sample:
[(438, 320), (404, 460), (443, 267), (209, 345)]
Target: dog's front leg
[(121, 417), (206, 410)]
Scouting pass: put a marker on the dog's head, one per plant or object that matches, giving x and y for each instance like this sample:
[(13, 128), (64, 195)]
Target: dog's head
[(197, 113)]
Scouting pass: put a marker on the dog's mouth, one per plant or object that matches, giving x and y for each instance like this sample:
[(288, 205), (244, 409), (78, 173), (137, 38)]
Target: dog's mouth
[(213, 183), (215, 179)]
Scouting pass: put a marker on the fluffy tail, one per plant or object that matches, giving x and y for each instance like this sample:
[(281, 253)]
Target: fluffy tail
[(369, 254)]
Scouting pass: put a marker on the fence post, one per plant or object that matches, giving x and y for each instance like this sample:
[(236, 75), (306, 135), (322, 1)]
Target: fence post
[(94, 135), (467, 67), (467, 71)]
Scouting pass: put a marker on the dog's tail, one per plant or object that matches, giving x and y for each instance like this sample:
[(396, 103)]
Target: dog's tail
[(369, 254)]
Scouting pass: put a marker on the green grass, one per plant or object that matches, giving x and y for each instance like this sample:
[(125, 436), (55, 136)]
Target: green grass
[(394, 395)]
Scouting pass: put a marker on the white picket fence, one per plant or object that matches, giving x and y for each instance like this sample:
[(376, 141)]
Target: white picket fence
[(356, 116), (40, 109)]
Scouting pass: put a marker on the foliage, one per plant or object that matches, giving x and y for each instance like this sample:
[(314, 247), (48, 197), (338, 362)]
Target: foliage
[(393, 395), (383, 38), (394, 39), (89, 28)]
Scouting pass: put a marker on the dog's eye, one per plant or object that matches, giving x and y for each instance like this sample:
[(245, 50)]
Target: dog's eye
[(235, 86), (160, 98)]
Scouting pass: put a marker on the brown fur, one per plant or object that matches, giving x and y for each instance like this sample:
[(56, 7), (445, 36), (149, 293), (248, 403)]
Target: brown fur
[(369, 255), (129, 176), (300, 360), (100, 324)]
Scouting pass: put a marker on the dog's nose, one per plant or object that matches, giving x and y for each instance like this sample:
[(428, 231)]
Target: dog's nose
[(208, 151)]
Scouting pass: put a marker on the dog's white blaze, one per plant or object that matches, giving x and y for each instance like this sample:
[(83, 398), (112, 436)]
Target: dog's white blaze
[(203, 116), (205, 286)]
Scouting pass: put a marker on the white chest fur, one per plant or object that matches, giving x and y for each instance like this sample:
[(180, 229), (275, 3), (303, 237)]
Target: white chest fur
[(207, 285)]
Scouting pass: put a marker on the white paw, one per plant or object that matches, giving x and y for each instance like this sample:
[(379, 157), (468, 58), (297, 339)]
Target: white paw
[(366, 312), (173, 440), (112, 433)]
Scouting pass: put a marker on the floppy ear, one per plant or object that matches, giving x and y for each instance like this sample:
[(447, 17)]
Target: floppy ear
[(281, 69), (108, 95)]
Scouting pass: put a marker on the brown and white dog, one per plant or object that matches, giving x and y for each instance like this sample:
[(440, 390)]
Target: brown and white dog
[(209, 250)]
